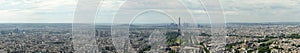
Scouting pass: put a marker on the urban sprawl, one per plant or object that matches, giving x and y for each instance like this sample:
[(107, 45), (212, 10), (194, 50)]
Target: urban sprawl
[(167, 38)]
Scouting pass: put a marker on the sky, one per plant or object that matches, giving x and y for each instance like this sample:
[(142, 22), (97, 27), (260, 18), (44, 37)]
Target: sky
[(62, 11)]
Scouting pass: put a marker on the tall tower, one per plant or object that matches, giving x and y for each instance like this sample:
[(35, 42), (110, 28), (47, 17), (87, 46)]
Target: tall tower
[(179, 27)]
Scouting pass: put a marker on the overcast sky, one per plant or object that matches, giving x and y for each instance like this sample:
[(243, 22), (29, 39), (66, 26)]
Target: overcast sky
[(62, 11)]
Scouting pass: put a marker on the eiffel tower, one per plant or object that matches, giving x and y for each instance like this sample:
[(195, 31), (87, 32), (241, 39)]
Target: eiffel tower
[(179, 27)]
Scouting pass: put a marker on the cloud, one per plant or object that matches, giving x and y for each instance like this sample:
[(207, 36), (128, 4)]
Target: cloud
[(110, 8), (37, 11), (262, 10), (234, 10)]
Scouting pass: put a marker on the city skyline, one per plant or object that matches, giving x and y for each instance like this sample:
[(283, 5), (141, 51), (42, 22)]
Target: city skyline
[(149, 26)]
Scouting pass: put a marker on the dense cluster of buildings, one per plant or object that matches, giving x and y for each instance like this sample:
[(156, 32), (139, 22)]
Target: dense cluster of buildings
[(250, 38), (35, 40)]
